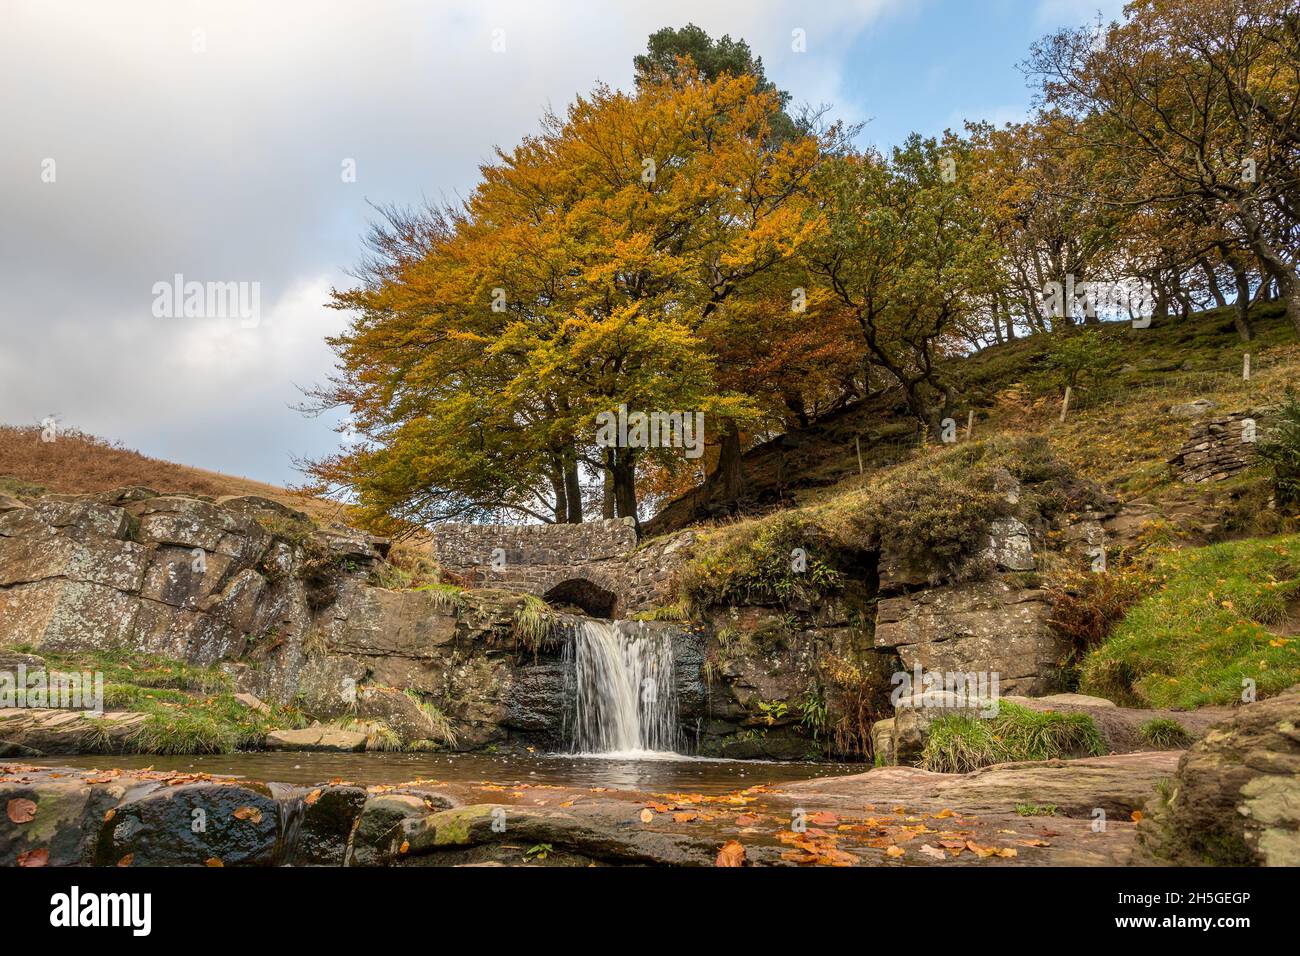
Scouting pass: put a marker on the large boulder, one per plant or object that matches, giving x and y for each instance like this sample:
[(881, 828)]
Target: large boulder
[(213, 822), (982, 626), (1235, 798)]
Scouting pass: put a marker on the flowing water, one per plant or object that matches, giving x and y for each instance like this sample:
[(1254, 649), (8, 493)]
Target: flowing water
[(624, 700)]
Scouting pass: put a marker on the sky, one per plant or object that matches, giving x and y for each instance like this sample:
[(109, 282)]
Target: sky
[(234, 142)]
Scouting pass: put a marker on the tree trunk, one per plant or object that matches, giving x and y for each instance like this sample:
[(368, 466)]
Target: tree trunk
[(560, 504), (624, 475), (729, 475), (1241, 309), (1213, 282), (572, 486), (607, 500), (1282, 271)]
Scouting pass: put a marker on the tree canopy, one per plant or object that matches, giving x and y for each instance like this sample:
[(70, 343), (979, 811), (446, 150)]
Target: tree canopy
[(686, 247)]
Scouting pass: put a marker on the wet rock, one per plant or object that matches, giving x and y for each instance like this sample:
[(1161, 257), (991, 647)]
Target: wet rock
[(191, 824), (389, 820), (537, 699), (1235, 798), (316, 738), (69, 812), (603, 832), (329, 817)]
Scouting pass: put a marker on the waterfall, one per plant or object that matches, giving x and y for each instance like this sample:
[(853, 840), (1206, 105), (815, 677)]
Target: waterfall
[(624, 699)]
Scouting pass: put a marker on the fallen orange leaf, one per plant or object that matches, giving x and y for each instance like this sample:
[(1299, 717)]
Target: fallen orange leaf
[(21, 810), (731, 854)]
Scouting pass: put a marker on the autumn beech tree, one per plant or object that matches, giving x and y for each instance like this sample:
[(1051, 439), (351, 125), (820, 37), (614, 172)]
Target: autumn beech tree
[(1193, 101), (600, 263)]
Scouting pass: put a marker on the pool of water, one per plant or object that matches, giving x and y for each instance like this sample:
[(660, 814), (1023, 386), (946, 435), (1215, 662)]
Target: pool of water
[(654, 772)]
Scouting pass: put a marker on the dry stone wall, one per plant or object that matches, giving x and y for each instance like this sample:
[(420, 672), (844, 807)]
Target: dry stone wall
[(1218, 448)]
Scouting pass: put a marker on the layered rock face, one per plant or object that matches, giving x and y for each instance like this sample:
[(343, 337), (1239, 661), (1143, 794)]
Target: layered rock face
[(286, 608)]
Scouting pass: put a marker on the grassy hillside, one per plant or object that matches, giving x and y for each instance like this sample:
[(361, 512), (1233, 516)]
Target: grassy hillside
[(83, 464), (1118, 431)]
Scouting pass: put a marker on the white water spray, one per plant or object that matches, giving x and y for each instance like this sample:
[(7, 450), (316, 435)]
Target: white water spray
[(625, 704)]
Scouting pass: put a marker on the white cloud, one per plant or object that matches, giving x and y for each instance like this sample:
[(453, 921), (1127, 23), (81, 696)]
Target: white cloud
[(223, 165)]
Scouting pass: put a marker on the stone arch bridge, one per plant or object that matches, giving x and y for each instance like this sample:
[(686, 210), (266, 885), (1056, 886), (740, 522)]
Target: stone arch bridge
[(596, 565)]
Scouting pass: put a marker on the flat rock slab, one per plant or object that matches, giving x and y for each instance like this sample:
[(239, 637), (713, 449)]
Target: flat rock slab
[(34, 732), (316, 738)]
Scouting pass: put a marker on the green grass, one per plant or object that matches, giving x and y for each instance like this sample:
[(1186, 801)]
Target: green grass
[(1165, 733), (960, 744), (1212, 627), (1036, 809), (190, 710)]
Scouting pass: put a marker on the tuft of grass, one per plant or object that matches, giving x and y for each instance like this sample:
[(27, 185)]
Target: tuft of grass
[(1165, 733), (442, 731), (679, 611), (1214, 626), (1037, 809), (534, 624), (379, 736), (959, 743), (445, 596)]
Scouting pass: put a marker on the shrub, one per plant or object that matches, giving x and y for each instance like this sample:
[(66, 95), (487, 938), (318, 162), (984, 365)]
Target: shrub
[(1280, 449), (1077, 354), (754, 562)]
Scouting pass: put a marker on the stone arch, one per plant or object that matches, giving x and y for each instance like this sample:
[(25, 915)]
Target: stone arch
[(584, 593)]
